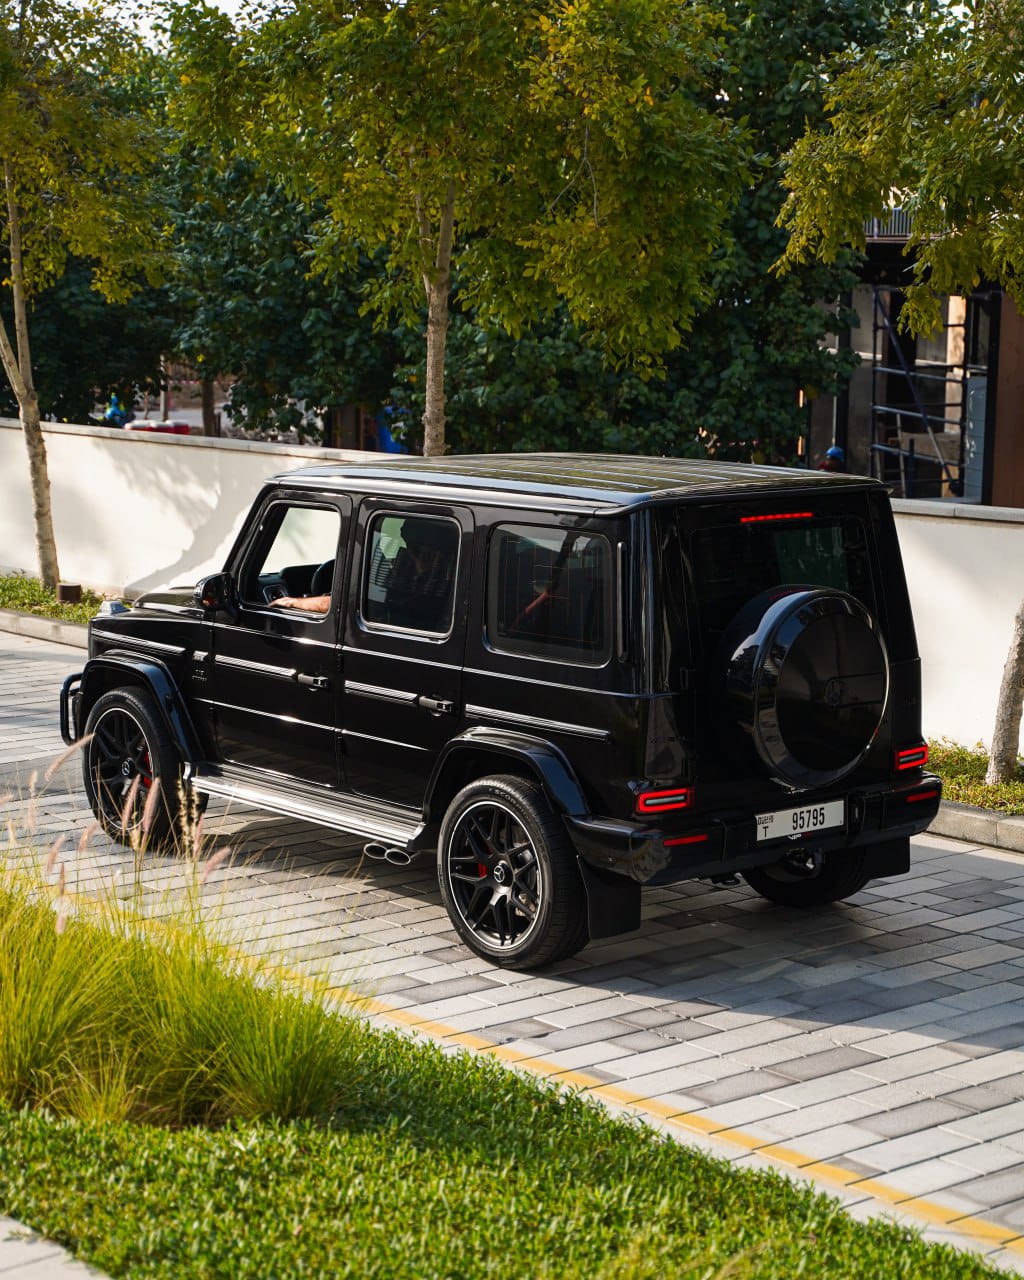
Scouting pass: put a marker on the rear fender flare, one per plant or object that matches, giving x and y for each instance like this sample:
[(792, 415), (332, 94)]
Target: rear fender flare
[(491, 747)]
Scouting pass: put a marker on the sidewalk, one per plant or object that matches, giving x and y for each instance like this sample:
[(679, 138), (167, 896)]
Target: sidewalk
[(26, 1256), (957, 821)]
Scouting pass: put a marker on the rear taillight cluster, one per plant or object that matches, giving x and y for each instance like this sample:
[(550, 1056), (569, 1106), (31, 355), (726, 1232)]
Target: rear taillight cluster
[(648, 802), (915, 757)]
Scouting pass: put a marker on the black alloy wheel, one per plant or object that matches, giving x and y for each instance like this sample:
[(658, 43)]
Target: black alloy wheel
[(810, 878), (128, 753), (508, 874)]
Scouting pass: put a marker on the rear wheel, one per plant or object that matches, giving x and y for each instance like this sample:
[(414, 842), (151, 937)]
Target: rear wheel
[(810, 879), (509, 876), (132, 769)]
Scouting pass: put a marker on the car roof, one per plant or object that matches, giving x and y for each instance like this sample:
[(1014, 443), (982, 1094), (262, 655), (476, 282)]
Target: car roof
[(580, 480)]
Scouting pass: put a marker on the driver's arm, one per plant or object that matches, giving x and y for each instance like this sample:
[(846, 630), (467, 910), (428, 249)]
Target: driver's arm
[(307, 604)]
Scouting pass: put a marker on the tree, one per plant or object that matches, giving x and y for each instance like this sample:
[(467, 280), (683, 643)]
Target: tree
[(933, 121), (71, 149), (84, 347), (732, 388), (547, 153), (293, 342)]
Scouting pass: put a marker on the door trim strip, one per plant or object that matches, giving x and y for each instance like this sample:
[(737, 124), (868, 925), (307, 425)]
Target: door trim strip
[(537, 722), (379, 691)]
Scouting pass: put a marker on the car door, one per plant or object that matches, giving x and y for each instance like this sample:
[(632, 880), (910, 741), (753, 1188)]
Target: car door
[(404, 646), (276, 670)]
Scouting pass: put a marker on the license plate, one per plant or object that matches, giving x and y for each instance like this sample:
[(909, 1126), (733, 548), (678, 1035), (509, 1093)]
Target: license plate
[(807, 820)]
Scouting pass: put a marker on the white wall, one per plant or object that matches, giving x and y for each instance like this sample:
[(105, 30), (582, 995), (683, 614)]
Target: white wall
[(134, 511), (965, 570)]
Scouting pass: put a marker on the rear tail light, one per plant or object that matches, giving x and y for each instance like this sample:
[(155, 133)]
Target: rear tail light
[(660, 801), (911, 757)]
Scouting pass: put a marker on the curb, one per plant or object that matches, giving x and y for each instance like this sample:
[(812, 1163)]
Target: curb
[(957, 821), (27, 624)]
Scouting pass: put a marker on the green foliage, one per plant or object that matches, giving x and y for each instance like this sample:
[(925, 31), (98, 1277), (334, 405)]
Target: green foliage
[(293, 341), (931, 121), (962, 770), (732, 389), (85, 347), (104, 1013), (28, 595), (563, 150), (76, 154)]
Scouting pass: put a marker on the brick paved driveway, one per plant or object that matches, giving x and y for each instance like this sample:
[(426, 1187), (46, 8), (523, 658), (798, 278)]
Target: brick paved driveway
[(876, 1048)]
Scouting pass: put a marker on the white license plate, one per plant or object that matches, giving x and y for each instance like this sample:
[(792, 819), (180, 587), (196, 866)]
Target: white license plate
[(807, 820)]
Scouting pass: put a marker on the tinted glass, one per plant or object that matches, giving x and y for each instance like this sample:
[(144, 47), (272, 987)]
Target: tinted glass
[(548, 593), (735, 562), (409, 576)]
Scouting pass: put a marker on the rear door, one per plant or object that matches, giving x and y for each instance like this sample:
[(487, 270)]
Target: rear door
[(404, 646)]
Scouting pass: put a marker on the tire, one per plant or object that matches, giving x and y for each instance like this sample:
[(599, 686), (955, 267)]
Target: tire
[(805, 879), (509, 877), (128, 752), (806, 681)]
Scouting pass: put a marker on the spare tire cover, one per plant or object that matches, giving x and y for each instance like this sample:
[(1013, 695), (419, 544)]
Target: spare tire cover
[(807, 678)]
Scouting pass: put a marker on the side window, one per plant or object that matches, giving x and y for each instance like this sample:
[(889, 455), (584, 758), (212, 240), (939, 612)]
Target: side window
[(409, 573), (295, 556), (549, 593)]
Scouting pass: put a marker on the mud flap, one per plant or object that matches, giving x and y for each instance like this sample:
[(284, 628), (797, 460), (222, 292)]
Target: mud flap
[(887, 858), (613, 902)]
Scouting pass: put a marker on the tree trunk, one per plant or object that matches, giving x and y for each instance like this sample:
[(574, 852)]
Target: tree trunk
[(19, 372), (437, 275), (209, 414), (1006, 735), (437, 338)]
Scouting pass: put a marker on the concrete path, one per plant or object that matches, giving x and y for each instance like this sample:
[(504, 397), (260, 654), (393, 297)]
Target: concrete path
[(876, 1049)]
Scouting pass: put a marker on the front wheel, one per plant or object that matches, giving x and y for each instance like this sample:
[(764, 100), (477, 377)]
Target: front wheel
[(509, 877), (132, 769), (810, 879)]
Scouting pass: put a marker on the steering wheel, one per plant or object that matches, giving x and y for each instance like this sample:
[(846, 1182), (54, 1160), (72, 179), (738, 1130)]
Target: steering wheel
[(322, 580)]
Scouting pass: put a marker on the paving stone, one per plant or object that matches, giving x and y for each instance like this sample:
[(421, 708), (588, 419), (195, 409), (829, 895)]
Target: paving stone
[(912, 1118)]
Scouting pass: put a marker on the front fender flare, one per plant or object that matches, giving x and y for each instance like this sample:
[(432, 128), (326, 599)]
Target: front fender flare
[(152, 674)]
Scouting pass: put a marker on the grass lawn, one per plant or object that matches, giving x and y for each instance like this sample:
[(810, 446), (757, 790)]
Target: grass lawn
[(962, 770), (434, 1167), (28, 595)]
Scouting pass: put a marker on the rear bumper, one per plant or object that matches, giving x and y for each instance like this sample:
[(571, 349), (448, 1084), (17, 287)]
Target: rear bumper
[(723, 843)]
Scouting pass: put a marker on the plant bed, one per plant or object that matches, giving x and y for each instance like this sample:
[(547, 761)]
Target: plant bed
[(962, 770), (28, 595)]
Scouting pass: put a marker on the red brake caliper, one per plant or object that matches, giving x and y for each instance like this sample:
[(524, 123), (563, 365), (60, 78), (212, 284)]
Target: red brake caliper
[(146, 774)]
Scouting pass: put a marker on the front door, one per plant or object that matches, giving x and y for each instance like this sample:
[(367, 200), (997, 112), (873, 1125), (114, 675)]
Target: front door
[(276, 667), (404, 645)]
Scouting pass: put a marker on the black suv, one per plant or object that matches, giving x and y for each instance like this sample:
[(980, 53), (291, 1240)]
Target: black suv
[(569, 675)]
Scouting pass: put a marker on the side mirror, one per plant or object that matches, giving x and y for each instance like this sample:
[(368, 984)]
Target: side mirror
[(218, 591)]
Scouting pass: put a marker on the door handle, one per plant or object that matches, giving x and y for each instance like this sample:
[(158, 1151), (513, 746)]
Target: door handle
[(312, 682), (436, 706)]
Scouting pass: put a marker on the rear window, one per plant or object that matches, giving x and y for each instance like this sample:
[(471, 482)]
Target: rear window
[(735, 561), (548, 593)]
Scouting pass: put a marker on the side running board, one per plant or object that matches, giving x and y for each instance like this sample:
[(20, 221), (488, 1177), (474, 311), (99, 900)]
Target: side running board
[(360, 818)]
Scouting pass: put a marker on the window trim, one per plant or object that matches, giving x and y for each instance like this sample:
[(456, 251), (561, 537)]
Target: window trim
[(261, 606), (607, 652), (389, 628)]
